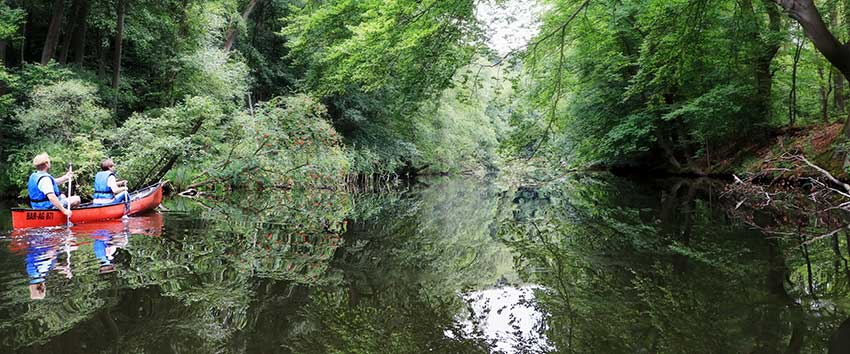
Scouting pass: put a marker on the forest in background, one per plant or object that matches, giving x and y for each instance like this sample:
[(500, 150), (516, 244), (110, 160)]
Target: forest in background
[(260, 93)]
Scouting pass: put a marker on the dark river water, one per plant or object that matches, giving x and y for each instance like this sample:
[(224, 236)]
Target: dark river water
[(584, 264)]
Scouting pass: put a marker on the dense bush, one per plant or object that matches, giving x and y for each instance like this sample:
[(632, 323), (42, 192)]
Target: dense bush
[(283, 143), (65, 120), (149, 144), (60, 111)]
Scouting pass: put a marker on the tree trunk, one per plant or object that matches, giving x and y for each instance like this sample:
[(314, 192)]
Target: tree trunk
[(3, 52), (53, 32), (835, 76), (24, 39), (73, 23), (838, 91), (792, 96), (78, 42), (3, 59), (770, 46), (231, 32), (825, 89), (169, 164), (116, 54), (101, 58), (807, 15)]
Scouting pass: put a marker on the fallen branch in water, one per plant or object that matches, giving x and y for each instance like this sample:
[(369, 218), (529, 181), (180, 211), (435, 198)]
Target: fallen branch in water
[(793, 197), (828, 234), (826, 174)]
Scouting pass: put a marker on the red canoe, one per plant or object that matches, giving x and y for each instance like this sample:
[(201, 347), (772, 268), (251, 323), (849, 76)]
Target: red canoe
[(142, 200)]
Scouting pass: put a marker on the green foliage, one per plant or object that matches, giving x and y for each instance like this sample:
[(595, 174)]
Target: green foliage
[(10, 21), (83, 152), (389, 74), (279, 141), (209, 71), (149, 142), (654, 82), (412, 47), (32, 76), (462, 130), (63, 119), (61, 110), (459, 130)]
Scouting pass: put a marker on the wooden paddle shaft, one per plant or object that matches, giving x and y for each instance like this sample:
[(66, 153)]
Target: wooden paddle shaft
[(70, 170)]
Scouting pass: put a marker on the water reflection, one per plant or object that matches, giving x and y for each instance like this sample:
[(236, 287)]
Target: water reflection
[(628, 267), (40, 260), (509, 318), (408, 258), (43, 246), (587, 264)]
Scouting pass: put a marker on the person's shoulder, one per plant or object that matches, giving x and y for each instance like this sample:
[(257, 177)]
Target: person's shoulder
[(45, 184), (44, 177)]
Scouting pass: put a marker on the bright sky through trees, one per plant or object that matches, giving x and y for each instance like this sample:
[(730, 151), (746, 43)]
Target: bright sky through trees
[(510, 24)]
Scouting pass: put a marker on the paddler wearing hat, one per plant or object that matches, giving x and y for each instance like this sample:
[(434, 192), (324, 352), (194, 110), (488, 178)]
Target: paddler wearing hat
[(44, 189)]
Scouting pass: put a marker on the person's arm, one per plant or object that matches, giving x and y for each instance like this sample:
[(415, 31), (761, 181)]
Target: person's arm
[(46, 187), (113, 185), (64, 178), (55, 201)]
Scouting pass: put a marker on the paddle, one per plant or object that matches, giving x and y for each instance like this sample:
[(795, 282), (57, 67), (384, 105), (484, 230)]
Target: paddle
[(68, 197), (126, 201), (70, 234)]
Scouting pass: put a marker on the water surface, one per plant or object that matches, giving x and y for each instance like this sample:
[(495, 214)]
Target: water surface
[(585, 264)]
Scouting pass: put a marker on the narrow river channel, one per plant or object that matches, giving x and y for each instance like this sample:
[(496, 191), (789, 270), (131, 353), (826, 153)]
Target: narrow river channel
[(585, 264)]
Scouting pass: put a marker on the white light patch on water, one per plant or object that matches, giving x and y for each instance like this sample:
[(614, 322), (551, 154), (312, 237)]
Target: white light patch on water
[(508, 318)]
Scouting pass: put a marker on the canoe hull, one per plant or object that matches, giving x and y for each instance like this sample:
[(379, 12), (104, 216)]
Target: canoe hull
[(142, 200)]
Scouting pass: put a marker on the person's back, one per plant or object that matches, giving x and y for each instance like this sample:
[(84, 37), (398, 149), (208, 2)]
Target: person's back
[(38, 181), (107, 188), (102, 191), (43, 189)]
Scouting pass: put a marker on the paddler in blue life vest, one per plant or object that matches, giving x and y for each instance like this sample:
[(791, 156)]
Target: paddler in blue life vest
[(44, 189), (107, 188)]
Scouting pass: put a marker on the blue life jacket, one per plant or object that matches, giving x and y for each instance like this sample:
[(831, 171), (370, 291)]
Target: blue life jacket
[(101, 187), (38, 200)]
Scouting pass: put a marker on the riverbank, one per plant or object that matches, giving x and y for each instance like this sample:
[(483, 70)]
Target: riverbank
[(819, 144), (769, 157)]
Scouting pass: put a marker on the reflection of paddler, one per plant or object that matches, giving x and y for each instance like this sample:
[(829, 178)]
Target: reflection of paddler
[(103, 252), (105, 245), (40, 260)]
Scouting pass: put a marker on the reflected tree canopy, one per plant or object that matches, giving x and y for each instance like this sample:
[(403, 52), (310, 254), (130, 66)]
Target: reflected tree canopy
[(616, 266), (630, 268), (408, 258)]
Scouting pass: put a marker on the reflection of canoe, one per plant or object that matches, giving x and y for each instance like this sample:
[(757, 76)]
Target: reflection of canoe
[(148, 224), (141, 200)]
